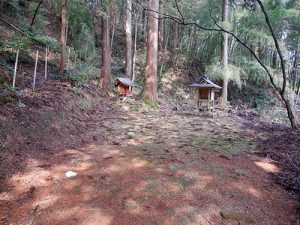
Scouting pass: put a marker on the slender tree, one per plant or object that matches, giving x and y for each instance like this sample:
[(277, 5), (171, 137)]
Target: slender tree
[(150, 86), (63, 35), (35, 13), (106, 51), (224, 55), (128, 28), (135, 47)]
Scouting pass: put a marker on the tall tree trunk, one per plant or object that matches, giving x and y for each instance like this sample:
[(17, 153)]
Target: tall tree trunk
[(113, 21), (128, 28), (274, 59), (161, 25), (295, 69), (175, 36), (97, 29), (145, 22), (167, 32), (63, 35), (150, 86), (106, 53), (224, 56), (135, 49)]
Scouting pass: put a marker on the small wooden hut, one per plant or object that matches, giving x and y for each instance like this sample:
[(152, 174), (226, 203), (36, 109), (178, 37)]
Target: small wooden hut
[(205, 93), (123, 86)]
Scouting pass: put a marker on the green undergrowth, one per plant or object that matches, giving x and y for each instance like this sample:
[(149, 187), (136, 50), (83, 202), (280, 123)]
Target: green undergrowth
[(223, 145), (79, 77), (86, 104), (150, 104)]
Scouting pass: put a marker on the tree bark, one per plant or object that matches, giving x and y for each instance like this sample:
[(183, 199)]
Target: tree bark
[(224, 55), (175, 36), (106, 53), (128, 28), (113, 21), (166, 40), (161, 25), (145, 22), (97, 30), (63, 35), (150, 86), (295, 69), (135, 50), (274, 59)]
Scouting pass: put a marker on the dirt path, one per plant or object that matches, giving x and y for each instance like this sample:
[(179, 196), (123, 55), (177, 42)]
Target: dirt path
[(152, 168)]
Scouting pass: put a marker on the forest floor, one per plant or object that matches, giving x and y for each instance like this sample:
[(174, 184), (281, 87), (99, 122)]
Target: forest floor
[(133, 166)]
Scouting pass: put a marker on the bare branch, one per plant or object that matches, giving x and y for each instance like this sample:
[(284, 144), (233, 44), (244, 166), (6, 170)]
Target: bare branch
[(179, 11), (276, 45), (281, 91)]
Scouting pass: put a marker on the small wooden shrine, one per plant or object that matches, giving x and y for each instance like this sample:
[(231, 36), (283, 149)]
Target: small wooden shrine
[(206, 93), (123, 86)]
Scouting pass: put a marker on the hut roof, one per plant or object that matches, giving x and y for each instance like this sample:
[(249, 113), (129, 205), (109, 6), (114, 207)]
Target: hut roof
[(205, 82), (125, 81)]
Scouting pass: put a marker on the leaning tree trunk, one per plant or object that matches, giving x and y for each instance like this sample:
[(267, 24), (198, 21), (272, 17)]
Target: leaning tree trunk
[(35, 13), (128, 28), (282, 91), (150, 86), (224, 55), (106, 53), (63, 35)]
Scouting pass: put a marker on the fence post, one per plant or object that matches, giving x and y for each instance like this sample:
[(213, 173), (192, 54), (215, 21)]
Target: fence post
[(16, 67), (46, 63), (35, 68), (69, 52)]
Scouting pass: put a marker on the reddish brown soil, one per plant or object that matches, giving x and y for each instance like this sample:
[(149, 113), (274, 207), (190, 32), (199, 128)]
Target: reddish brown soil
[(132, 167)]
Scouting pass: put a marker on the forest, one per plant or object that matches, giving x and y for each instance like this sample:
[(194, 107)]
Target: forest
[(150, 112)]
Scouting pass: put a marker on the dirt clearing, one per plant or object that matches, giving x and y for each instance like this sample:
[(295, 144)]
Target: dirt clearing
[(146, 168)]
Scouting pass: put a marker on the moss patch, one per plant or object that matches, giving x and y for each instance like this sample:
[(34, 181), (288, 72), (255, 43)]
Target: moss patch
[(238, 216), (222, 145)]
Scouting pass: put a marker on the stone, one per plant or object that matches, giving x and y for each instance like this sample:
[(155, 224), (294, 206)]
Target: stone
[(130, 135), (70, 174)]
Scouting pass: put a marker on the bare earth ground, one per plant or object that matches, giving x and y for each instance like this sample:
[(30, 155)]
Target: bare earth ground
[(134, 167)]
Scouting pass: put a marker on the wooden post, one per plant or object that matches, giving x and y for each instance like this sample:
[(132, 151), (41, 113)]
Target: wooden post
[(16, 67), (35, 68), (69, 52), (46, 62)]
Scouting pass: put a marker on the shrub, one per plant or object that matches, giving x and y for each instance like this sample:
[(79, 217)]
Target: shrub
[(47, 40), (80, 77), (150, 104)]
